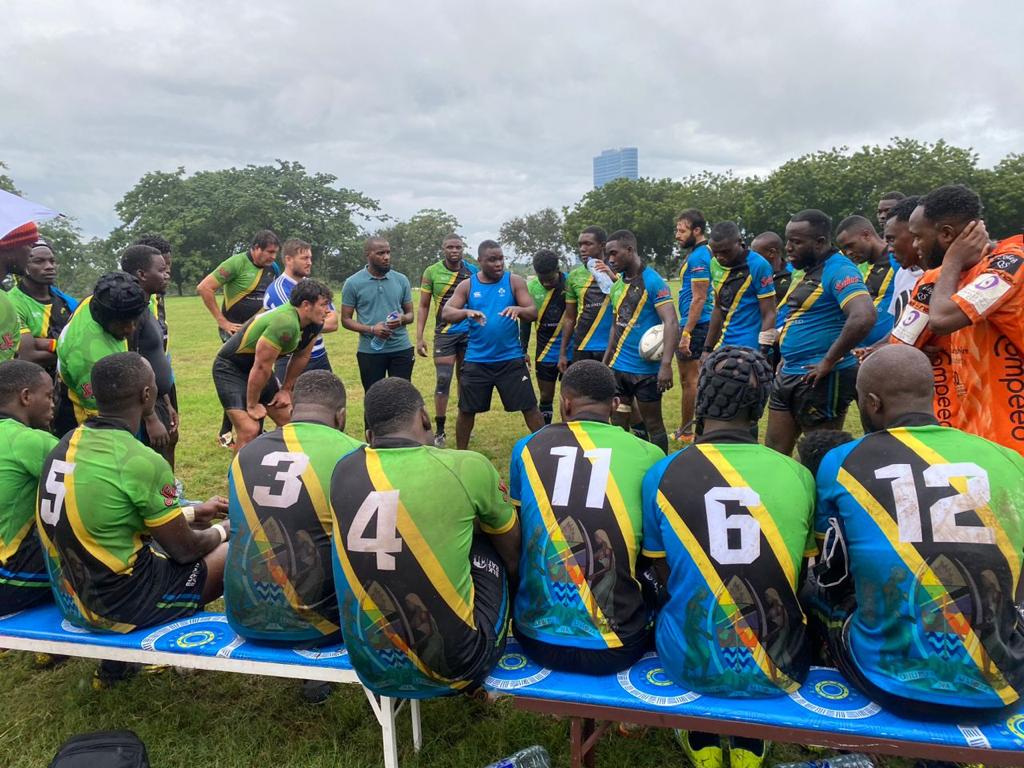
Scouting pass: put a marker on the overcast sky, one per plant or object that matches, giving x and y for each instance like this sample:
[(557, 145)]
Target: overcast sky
[(486, 109)]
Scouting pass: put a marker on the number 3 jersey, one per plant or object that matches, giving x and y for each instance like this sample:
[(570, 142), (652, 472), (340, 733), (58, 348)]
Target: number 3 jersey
[(278, 583), (578, 489), (733, 519), (932, 520), (404, 521)]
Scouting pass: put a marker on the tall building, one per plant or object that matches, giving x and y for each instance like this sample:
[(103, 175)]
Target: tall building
[(615, 164)]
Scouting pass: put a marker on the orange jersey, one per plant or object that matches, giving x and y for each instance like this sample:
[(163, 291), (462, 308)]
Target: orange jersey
[(911, 328), (991, 294)]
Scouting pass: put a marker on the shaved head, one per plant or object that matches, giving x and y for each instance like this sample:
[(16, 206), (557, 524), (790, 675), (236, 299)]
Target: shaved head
[(893, 382), (766, 241)]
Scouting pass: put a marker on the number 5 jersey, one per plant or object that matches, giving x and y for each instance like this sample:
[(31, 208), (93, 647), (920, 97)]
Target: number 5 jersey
[(733, 520)]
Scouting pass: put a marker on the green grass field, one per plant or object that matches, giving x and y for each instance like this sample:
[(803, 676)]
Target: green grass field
[(224, 720)]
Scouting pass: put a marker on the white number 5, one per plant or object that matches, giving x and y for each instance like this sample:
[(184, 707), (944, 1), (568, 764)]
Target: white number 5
[(50, 511), (387, 543)]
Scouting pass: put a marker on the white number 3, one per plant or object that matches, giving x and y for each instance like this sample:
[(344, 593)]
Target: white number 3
[(290, 479), (387, 543)]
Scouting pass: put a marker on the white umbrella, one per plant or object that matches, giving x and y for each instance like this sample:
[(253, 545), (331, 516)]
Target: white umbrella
[(15, 211)]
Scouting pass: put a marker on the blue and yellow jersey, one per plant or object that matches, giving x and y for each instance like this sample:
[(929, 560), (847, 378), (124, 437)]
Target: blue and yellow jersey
[(635, 304), (577, 486), (738, 297), (733, 519), (404, 519), (696, 268), (279, 583), (933, 520), (880, 283), (814, 315)]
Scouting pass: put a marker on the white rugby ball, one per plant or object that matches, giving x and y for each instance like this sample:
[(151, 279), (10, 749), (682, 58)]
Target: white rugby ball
[(652, 343)]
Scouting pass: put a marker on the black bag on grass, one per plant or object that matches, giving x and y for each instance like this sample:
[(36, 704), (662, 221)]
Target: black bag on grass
[(102, 749)]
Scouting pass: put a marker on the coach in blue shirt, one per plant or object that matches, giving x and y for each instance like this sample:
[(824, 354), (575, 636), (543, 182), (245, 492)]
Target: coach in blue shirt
[(367, 299)]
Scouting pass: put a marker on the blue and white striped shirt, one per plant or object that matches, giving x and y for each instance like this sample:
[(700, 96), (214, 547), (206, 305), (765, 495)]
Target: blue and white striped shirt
[(277, 294)]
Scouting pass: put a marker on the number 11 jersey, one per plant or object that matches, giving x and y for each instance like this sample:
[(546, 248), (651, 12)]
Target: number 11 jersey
[(733, 519)]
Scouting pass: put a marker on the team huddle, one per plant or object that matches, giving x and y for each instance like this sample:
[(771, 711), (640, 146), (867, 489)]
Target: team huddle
[(896, 557)]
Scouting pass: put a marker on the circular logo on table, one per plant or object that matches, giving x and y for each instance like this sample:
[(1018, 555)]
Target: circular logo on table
[(315, 655), (67, 626), (1016, 726), (210, 633), (514, 670), (646, 680), (827, 695)]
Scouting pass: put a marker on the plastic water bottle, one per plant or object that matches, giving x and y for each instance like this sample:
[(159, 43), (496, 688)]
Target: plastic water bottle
[(857, 760), (377, 343), (531, 757), (603, 281)]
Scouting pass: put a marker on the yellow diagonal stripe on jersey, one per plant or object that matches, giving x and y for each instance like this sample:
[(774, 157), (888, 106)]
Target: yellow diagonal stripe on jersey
[(932, 456), (884, 287), (808, 303), (916, 564), (438, 296), (420, 549), (759, 513), (565, 553), (10, 547), (597, 318), (309, 477), (614, 496), (632, 321), (557, 335), (732, 310), (725, 600), (229, 303), (267, 551)]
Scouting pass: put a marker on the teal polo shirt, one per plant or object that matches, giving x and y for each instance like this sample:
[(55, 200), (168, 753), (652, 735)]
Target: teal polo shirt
[(373, 299)]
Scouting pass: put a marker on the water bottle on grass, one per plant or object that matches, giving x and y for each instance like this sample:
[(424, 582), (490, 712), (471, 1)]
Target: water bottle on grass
[(857, 760), (377, 343), (531, 757)]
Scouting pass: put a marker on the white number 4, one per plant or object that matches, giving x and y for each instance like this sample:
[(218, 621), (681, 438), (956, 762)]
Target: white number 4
[(50, 511), (387, 543)]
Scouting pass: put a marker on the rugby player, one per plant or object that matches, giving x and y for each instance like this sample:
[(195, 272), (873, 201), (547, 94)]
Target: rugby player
[(696, 300), (588, 320), (243, 371), (579, 606), (278, 584), (147, 265), (639, 301), (244, 279), (728, 523), (159, 305), (978, 302), (103, 495), (298, 265), (901, 244), (885, 204), (860, 243), (548, 292), (26, 410), (933, 524), (493, 300), (770, 245), (425, 542), (450, 341), (745, 310), (100, 327), (44, 310), (376, 303), (827, 314), (15, 250)]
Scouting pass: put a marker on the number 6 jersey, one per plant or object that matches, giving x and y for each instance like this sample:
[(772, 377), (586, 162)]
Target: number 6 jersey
[(932, 519), (733, 520)]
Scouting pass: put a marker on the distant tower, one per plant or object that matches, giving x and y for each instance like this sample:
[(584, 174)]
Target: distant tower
[(618, 163)]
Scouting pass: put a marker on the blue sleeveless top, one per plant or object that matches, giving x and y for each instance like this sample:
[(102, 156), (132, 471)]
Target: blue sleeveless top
[(497, 340)]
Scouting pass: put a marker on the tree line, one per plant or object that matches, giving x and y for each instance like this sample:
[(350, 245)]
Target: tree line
[(209, 215)]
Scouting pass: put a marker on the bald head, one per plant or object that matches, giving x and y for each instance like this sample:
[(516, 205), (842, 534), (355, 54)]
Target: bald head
[(770, 245), (893, 382)]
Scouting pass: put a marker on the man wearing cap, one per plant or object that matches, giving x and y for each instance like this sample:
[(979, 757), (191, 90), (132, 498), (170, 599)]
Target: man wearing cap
[(15, 248)]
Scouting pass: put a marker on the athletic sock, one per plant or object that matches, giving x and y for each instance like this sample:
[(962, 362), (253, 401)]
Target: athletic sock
[(547, 410), (440, 420), (661, 440)]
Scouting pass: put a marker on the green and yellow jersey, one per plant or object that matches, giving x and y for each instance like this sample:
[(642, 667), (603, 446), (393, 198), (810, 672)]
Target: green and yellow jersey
[(10, 328), (278, 583), (82, 344), (550, 308), (43, 319), (441, 282), (734, 520), (404, 519), (592, 307), (244, 285), (280, 327), (101, 493)]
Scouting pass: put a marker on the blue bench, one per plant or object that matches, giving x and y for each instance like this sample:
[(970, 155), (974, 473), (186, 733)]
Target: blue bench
[(827, 711), (203, 641)]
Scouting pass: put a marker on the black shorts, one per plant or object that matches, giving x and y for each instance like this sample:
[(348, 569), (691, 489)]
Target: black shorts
[(548, 372), (642, 386), (826, 401), (511, 377), (232, 384), (580, 354), (450, 344), (159, 591), (321, 363), (586, 661), (697, 340), (24, 581)]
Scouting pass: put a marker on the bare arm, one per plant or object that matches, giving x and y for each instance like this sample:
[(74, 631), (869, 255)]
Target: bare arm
[(454, 310), (944, 316), (207, 290), (184, 544), (262, 369), (296, 365), (507, 545), (699, 295), (714, 327), (670, 337), (769, 312), (37, 351), (568, 329), (860, 319), (349, 322), (421, 321), (331, 322)]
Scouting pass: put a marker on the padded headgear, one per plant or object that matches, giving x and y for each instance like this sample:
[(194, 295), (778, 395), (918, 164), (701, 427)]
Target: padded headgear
[(733, 379)]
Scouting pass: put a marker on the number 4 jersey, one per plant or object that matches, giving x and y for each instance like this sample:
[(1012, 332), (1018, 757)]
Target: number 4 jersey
[(404, 520), (733, 520), (932, 519), (278, 583)]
